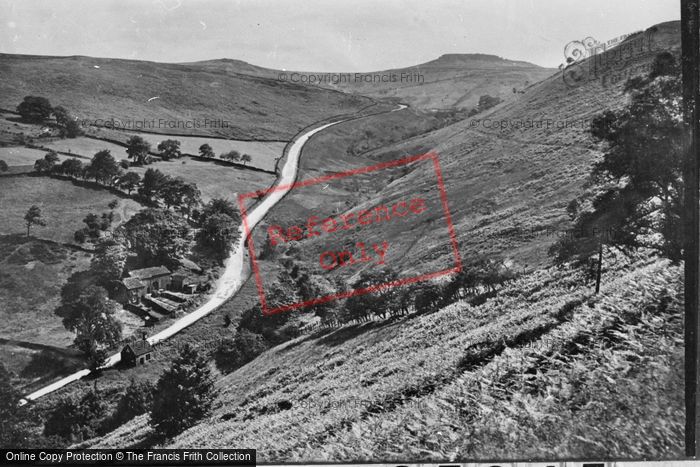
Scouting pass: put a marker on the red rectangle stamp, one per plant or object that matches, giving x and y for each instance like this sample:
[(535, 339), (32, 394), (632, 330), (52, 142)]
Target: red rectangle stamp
[(339, 229)]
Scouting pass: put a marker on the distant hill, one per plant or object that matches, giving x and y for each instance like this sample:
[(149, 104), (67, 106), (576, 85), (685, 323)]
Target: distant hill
[(450, 81), (234, 105)]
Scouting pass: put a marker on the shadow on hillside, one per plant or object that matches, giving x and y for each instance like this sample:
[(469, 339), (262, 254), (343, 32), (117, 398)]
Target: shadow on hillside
[(338, 337)]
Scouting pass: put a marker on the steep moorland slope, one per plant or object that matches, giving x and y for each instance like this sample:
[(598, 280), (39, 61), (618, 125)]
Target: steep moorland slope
[(233, 105)]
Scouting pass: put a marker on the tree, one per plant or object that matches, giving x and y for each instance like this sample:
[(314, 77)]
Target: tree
[(46, 164), (137, 149), (34, 109), (184, 394), (158, 236), (3, 166), (80, 235), (231, 156), (13, 434), (153, 182), (173, 192), (635, 191), (104, 167), (129, 181), (72, 128), (91, 317), (191, 197), (234, 353), (72, 167), (51, 157), (42, 166), (380, 302), (137, 400), (77, 420), (427, 298), (221, 206), (206, 151), (219, 221), (169, 149), (486, 102), (219, 231), (61, 115), (33, 217), (109, 261), (245, 158)]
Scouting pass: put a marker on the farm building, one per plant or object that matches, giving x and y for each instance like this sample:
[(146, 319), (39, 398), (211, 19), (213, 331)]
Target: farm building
[(142, 282), (138, 352), (154, 278)]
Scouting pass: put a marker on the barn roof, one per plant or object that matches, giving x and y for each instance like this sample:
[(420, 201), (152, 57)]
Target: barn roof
[(133, 283), (139, 348), (148, 273)]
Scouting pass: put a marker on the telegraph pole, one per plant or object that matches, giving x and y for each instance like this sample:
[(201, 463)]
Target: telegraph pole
[(690, 52)]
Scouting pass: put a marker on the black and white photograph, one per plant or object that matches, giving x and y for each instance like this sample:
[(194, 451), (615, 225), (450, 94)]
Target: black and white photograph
[(240, 232)]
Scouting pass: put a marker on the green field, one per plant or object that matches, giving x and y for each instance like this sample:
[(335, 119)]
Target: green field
[(87, 147), (19, 155), (63, 206), (213, 180), (264, 154)]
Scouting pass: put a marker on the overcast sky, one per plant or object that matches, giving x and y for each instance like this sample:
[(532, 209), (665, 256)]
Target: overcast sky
[(319, 35)]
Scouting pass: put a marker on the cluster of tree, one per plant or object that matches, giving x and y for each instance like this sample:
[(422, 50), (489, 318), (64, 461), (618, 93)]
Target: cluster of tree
[(157, 236), (36, 109), (103, 168), (256, 333), (234, 353), (232, 156), (47, 164), (477, 280), (77, 420), (183, 395), (635, 191), (174, 192), (85, 306), (74, 420), (137, 149), (87, 311), (3, 166), (169, 149), (485, 103), (94, 224), (219, 222)]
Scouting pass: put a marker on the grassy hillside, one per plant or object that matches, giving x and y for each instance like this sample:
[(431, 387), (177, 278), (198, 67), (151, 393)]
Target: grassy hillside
[(508, 177), (450, 81), (532, 373), (105, 89)]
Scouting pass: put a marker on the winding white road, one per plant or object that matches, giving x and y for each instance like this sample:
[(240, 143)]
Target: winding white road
[(232, 278)]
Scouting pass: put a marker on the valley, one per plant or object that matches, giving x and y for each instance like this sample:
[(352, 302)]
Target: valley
[(417, 243)]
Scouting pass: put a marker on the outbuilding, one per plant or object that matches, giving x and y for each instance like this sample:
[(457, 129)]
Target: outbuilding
[(137, 353)]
